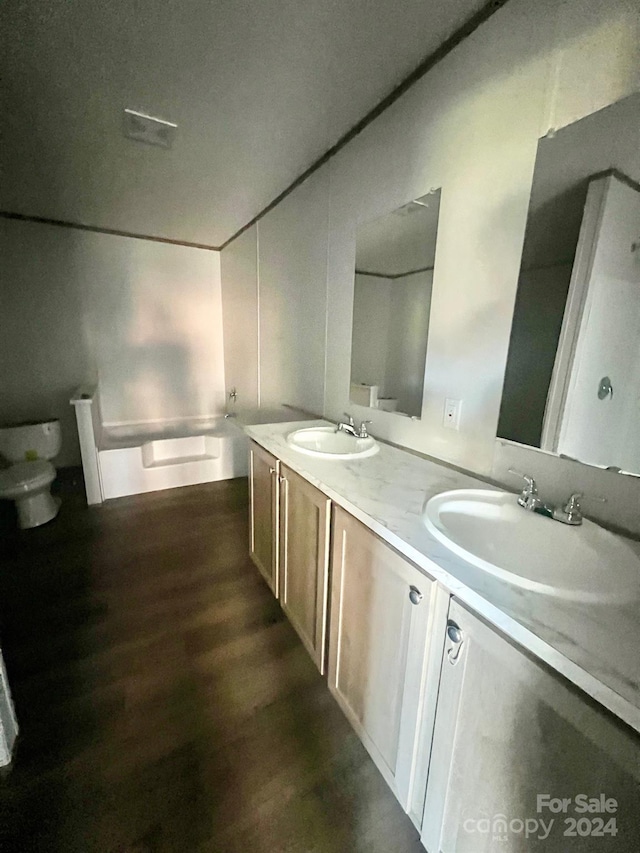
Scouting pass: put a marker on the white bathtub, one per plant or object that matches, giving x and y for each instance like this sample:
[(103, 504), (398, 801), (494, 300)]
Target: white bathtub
[(128, 459)]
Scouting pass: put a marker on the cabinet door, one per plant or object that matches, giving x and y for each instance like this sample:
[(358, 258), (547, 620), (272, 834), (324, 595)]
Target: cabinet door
[(304, 560), (263, 519), (509, 731), (381, 608)]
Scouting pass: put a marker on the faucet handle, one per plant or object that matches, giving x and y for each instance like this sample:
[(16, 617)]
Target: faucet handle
[(517, 473), (350, 419), (571, 512), (363, 429), (574, 501), (528, 497), (572, 506), (531, 486)]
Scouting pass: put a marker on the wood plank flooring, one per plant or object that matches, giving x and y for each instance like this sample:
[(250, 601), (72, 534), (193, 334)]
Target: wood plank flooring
[(164, 701)]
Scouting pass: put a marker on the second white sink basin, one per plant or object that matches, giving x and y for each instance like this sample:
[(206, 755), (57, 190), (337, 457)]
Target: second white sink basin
[(327, 443), (490, 530)]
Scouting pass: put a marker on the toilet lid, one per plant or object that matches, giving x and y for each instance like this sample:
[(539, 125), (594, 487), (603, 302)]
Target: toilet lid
[(27, 475)]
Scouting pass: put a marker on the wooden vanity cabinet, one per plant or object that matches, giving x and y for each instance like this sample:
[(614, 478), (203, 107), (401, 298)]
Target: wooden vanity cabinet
[(264, 493), (508, 729), (289, 543), (304, 530), (382, 612), (467, 728)]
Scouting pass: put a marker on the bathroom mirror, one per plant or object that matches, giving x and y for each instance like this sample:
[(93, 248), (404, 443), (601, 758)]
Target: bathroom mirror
[(395, 259), (572, 382)]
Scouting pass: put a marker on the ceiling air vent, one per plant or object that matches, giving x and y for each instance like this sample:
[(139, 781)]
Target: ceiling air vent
[(154, 131), (415, 205)]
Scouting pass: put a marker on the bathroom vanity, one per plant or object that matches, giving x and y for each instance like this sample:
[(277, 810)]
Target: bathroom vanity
[(490, 710), (485, 653)]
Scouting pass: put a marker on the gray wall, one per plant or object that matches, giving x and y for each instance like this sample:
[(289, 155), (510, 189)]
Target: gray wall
[(292, 283), (239, 271), (408, 335), (537, 321), (44, 346), (144, 318), (370, 332), (471, 126)]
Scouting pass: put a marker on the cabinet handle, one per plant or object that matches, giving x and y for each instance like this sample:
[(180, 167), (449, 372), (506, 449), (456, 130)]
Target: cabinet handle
[(282, 479), (415, 596), (454, 633), (272, 471)]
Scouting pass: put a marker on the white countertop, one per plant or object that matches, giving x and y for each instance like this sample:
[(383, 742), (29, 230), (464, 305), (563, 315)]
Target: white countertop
[(595, 646)]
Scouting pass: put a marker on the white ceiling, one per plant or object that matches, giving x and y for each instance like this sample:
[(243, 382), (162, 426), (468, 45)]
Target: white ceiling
[(259, 89), (402, 241)]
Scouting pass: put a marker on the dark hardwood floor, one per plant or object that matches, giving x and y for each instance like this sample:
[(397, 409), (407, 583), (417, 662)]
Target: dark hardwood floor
[(164, 702)]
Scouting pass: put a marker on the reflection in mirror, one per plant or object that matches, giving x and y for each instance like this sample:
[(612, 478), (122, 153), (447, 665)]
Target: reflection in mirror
[(395, 258), (572, 383)]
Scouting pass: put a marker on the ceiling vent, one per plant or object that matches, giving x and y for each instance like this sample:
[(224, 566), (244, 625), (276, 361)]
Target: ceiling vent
[(416, 205), (144, 128)]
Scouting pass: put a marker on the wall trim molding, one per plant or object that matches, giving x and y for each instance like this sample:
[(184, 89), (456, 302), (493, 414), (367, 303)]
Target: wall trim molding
[(114, 232), (463, 32), (615, 173), (393, 276)]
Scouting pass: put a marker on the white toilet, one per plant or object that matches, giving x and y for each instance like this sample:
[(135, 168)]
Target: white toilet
[(27, 480)]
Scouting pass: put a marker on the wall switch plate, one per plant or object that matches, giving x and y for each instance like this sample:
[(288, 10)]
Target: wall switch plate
[(451, 418)]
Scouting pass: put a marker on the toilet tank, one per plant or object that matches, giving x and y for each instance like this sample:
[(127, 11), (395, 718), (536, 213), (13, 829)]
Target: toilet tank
[(32, 440)]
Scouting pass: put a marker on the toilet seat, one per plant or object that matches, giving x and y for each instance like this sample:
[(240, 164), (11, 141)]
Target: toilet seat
[(25, 477)]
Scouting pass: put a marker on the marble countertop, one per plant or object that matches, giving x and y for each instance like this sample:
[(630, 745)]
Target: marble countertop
[(592, 645)]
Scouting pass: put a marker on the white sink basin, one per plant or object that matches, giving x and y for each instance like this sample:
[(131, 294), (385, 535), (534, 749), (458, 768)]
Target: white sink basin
[(490, 530), (327, 443)]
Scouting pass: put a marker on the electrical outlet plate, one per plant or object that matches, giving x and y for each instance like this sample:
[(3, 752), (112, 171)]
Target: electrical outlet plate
[(451, 416)]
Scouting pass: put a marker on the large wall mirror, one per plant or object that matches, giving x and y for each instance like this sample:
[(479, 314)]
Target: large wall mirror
[(572, 384), (395, 259)]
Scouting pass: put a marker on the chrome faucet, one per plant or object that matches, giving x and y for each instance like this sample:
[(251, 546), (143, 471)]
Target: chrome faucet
[(528, 497), (349, 426), (569, 513)]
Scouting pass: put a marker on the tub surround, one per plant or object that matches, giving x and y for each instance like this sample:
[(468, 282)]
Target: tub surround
[(132, 458), (587, 643), (147, 457), (120, 459)]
